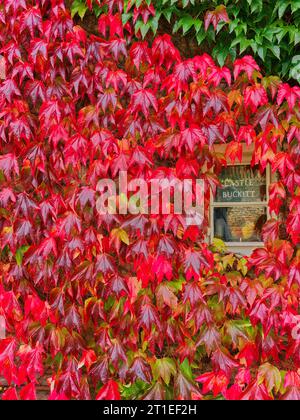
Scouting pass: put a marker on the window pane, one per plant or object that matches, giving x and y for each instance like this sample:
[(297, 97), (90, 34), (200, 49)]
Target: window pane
[(239, 224), (241, 183)]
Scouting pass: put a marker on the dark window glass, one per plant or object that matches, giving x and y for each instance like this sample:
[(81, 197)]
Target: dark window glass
[(240, 223)]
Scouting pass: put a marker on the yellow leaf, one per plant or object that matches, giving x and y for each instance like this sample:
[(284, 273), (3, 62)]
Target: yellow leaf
[(242, 266), (219, 245), (123, 236), (270, 375)]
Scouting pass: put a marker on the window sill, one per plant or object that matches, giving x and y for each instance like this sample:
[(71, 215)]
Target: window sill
[(245, 244)]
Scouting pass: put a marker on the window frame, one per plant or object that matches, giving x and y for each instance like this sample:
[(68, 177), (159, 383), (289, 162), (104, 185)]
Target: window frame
[(240, 246)]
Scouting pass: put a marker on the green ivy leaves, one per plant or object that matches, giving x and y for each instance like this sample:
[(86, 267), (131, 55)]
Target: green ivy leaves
[(268, 30), (79, 7), (20, 253)]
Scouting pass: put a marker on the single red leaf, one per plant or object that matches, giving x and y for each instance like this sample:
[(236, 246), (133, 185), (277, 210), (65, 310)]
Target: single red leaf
[(109, 391)]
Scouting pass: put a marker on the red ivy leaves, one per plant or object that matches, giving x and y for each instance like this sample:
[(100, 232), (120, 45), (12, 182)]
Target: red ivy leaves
[(216, 16), (110, 391), (246, 64), (215, 382)]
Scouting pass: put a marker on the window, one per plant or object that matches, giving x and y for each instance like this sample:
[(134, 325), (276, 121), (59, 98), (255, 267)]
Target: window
[(240, 207)]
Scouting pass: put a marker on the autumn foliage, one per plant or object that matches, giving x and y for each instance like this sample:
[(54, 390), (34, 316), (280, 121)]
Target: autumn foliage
[(127, 306), (269, 30)]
